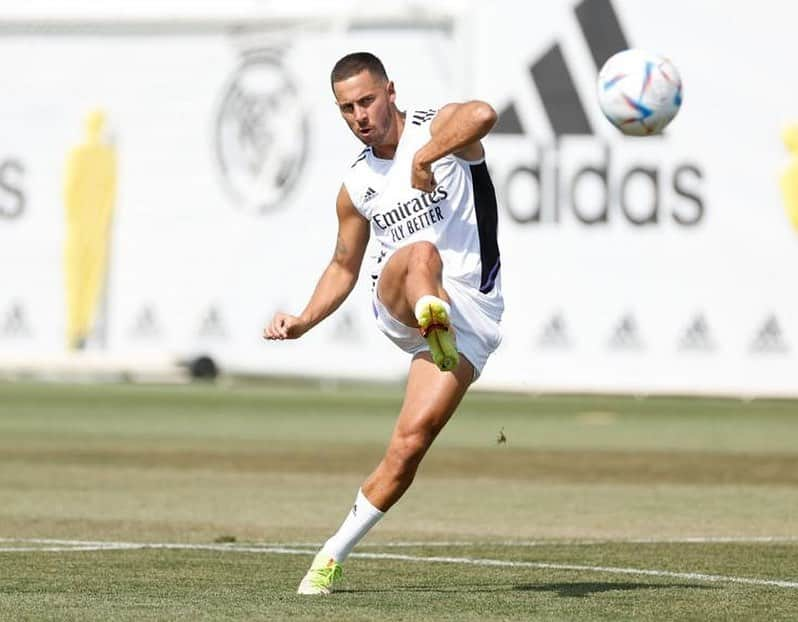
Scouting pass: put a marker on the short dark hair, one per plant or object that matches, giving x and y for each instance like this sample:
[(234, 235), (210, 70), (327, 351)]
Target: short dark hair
[(352, 64)]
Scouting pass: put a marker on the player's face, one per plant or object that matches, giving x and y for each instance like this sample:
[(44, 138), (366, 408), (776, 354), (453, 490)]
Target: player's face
[(366, 103)]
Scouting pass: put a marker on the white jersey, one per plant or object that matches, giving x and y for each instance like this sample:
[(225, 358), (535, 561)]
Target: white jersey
[(459, 216)]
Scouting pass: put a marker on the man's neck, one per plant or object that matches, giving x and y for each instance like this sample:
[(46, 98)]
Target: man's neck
[(387, 150)]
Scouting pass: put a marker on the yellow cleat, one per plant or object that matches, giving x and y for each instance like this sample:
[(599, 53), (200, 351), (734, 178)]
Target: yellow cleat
[(432, 315), (323, 573)]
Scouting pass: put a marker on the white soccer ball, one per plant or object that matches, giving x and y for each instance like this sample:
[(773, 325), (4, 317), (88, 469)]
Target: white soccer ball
[(639, 92)]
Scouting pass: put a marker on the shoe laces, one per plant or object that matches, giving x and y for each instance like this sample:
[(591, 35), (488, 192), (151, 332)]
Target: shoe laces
[(324, 577)]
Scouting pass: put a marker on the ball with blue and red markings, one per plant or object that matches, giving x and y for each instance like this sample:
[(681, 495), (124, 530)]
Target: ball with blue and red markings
[(639, 92)]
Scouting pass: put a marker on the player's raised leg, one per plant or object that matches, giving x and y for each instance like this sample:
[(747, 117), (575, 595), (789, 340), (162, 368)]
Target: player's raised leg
[(411, 288), (430, 400)]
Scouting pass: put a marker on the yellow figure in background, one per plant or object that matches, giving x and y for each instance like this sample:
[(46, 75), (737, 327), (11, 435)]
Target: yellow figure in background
[(89, 195), (789, 178)]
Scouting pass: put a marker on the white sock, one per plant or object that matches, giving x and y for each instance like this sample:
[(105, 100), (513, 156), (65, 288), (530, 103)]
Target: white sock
[(426, 300), (361, 518)]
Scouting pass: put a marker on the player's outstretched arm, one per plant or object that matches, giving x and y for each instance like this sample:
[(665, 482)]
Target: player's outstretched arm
[(457, 129), (337, 280)]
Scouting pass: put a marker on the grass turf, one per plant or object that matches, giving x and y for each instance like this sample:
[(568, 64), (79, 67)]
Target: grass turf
[(282, 463)]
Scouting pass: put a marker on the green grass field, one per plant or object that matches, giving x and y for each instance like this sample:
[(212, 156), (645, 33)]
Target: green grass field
[(124, 502)]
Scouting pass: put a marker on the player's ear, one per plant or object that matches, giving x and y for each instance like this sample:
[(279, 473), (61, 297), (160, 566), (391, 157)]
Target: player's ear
[(391, 91)]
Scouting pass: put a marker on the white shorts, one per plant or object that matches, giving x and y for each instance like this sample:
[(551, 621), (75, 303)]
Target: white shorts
[(476, 318)]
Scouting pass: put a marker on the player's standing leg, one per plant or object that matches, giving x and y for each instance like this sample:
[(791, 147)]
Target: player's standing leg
[(410, 287), (430, 400)]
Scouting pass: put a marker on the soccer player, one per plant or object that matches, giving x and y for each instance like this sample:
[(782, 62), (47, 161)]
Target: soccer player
[(422, 187)]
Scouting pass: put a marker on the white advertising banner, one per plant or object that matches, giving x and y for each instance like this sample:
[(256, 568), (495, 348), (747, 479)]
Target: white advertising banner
[(229, 153), (665, 264), (163, 193)]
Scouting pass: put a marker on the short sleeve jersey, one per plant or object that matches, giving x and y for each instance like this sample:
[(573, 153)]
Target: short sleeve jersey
[(459, 216)]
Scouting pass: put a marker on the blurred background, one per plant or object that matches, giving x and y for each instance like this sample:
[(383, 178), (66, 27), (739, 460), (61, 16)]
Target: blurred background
[(168, 173)]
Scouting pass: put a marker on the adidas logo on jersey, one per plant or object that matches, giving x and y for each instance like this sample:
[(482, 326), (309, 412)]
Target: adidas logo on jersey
[(369, 194), (422, 116)]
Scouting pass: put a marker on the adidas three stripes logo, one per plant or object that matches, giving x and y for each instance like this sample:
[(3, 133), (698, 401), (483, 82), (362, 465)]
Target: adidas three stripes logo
[(422, 116), (554, 82)]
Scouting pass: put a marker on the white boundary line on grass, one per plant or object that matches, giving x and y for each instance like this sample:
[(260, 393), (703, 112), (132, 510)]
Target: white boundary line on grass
[(582, 541), (80, 545), (438, 543), (695, 576)]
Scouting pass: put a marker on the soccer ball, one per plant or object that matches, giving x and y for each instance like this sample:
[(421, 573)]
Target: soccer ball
[(639, 92)]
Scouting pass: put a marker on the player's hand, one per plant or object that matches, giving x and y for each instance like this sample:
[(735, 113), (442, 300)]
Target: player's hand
[(421, 176), (284, 326)]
